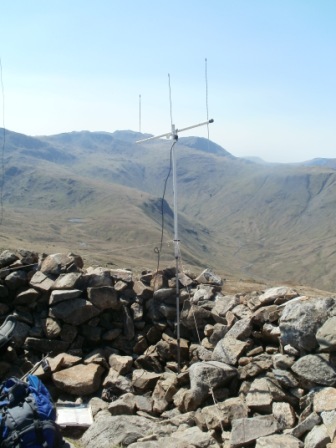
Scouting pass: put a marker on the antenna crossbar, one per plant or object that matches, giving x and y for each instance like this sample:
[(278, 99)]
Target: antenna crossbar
[(174, 132)]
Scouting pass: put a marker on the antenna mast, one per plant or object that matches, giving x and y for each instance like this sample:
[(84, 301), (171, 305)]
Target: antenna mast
[(173, 134)]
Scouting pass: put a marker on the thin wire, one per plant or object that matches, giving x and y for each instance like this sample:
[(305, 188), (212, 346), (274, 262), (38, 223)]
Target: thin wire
[(159, 249), (2, 181)]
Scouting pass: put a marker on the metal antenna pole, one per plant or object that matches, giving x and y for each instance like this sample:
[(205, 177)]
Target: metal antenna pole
[(173, 134)]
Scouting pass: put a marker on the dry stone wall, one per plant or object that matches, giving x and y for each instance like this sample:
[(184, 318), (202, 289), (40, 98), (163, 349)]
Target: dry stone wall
[(257, 369)]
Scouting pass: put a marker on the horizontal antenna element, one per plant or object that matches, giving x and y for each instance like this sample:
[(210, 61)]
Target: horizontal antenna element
[(173, 133)]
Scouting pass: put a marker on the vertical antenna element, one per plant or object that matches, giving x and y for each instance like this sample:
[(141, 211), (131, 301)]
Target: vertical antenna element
[(173, 130), (206, 98), (139, 113)]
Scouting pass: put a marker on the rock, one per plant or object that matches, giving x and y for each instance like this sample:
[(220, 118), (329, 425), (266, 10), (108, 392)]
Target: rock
[(247, 430), (316, 369), (116, 384), (7, 258), (67, 281), (203, 293), (103, 297), (326, 335), (284, 414), (208, 277), (142, 381), (142, 290), (223, 304), (228, 350), (193, 314), (125, 405), (285, 378), (306, 425), (74, 312), (324, 399), (280, 294), (98, 277), (27, 297), (62, 361), (220, 415), (79, 380), (46, 345), (51, 328), (203, 376), (279, 441), (317, 438), (121, 364), (301, 319), (57, 264), (329, 420), (164, 391), (108, 431), (263, 392), (41, 281), (241, 330), (57, 296), (195, 437), (16, 280)]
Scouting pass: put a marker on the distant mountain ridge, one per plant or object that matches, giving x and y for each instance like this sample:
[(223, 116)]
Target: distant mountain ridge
[(262, 221)]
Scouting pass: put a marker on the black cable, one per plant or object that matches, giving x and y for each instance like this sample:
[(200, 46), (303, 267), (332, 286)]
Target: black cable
[(159, 249)]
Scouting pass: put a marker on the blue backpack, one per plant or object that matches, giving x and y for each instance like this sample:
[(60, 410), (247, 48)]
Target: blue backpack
[(27, 415)]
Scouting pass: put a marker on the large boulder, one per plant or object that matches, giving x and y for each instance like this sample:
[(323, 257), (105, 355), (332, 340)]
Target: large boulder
[(301, 319)]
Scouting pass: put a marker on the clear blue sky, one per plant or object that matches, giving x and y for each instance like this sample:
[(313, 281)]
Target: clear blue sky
[(81, 65)]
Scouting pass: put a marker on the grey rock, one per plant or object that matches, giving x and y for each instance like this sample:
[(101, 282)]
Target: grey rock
[(263, 392), (247, 430), (228, 350), (74, 312), (315, 369), (242, 329), (329, 420), (16, 280), (279, 441), (56, 264), (301, 319), (27, 297), (318, 437), (222, 306), (7, 257), (108, 431), (69, 280), (326, 335), (221, 414), (279, 294), (285, 378), (41, 281), (324, 399), (209, 277), (306, 425), (103, 297), (58, 296)]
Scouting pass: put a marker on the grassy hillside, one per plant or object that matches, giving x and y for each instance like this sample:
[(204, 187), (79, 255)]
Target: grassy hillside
[(100, 195)]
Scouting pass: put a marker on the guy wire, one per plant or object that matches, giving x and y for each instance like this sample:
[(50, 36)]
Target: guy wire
[(2, 181), (159, 249)]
